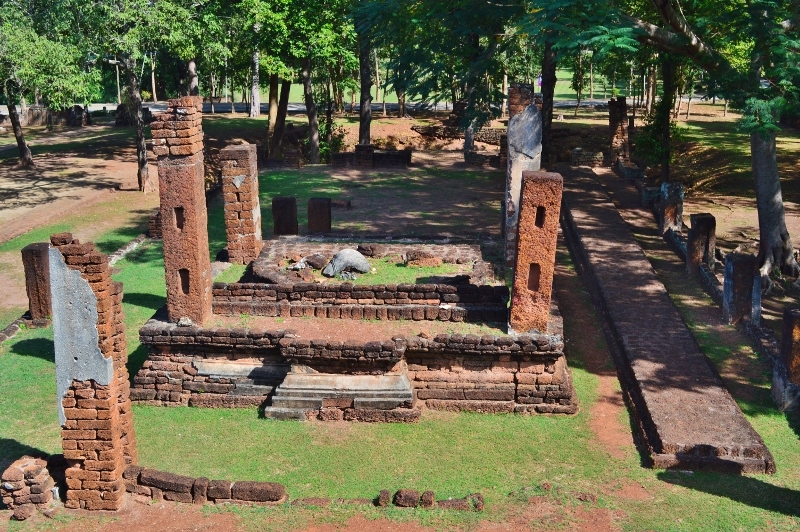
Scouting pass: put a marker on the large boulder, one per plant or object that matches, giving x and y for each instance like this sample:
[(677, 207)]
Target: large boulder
[(347, 260)]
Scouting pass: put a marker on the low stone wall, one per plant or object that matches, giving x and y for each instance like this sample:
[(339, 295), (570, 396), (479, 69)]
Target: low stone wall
[(240, 368), (482, 160), (487, 135), (586, 158), (27, 486), (154, 226), (370, 157), (151, 484)]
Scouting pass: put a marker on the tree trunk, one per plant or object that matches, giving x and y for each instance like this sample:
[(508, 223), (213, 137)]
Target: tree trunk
[(119, 90), (329, 116), (25, 157), (775, 245), (664, 112), (273, 106), (591, 79), (135, 95), (194, 86), (504, 104), (153, 76), (366, 92), (255, 93), (311, 111), (548, 91), (211, 94), (280, 120), (651, 88), (377, 75)]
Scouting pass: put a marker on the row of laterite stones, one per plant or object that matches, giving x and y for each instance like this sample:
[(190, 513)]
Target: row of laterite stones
[(28, 486)]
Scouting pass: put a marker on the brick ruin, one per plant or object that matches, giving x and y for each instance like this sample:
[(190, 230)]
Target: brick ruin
[(392, 379), (618, 129), (92, 380), (178, 143), (242, 206), (536, 252)]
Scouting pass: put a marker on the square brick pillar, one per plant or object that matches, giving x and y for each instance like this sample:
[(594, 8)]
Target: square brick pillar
[(670, 208), (242, 207), (284, 215), (701, 241), (178, 143), (35, 260), (540, 207), (618, 129), (524, 140), (319, 215), (790, 349), (94, 405), (741, 288)]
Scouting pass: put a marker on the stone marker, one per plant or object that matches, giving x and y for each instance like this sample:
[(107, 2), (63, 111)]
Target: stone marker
[(178, 142), (670, 208), (790, 350), (701, 242), (284, 215), (35, 260), (618, 128), (524, 155), (741, 291), (319, 215), (536, 254), (242, 207)]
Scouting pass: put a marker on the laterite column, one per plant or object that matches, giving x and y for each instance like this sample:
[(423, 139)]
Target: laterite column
[(178, 143), (242, 207), (540, 207)]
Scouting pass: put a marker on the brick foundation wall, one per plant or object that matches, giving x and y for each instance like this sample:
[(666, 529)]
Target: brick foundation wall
[(525, 374), (242, 207), (154, 226), (487, 135), (98, 436), (580, 157), (442, 302)]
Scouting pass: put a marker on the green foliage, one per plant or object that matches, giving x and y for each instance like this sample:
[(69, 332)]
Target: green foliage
[(762, 117), (650, 144)]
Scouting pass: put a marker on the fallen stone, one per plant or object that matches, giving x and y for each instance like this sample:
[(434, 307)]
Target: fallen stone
[(406, 498), (258, 491), (347, 259), (428, 500), (317, 261), (219, 489), (166, 481), (454, 504), (384, 497), (23, 512)]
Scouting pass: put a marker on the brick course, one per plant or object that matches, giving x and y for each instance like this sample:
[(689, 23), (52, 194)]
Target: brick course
[(242, 207)]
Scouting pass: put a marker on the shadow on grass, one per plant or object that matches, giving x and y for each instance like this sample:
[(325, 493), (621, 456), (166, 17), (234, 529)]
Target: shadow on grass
[(745, 490), (11, 450), (135, 361), (143, 300), (35, 347)]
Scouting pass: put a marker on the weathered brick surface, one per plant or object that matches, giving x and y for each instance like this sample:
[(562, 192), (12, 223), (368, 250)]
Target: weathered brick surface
[(184, 218), (663, 371), (98, 435), (36, 262), (618, 129), (701, 242), (540, 204), (790, 351), (26, 486), (242, 207), (520, 96)]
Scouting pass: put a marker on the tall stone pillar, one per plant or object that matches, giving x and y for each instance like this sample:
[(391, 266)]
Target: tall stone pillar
[(178, 143), (35, 260), (91, 377), (701, 242), (524, 155), (242, 206), (618, 128), (540, 207), (520, 96), (670, 208), (741, 288)]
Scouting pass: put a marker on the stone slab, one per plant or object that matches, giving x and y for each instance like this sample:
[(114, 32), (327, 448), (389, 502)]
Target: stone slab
[(686, 416), (75, 336)]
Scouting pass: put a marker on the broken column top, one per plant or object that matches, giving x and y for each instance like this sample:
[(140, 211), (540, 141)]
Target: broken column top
[(178, 130)]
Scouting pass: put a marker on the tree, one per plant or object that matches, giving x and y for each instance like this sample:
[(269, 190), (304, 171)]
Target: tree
[(31, 62), (706, 32)]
